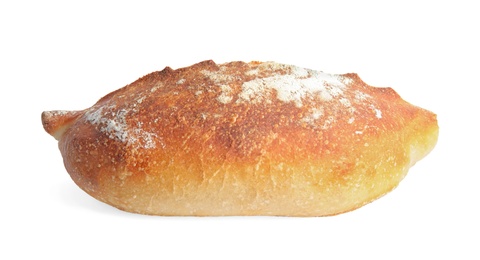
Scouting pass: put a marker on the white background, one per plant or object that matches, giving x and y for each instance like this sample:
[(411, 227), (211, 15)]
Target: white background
[(61, 55)]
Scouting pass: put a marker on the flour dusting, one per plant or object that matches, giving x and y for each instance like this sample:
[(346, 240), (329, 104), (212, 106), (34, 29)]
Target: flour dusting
[(113, 122), (226, 94), (294, 85), (268, 81)]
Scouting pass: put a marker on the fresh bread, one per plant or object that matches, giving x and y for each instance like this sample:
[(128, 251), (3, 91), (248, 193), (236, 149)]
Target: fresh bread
[(257, 138)]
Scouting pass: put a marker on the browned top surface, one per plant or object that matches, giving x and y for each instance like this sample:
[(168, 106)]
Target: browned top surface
[(239, 112)]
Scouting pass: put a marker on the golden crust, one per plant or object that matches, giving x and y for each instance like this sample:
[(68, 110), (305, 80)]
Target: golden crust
[(257, 138)]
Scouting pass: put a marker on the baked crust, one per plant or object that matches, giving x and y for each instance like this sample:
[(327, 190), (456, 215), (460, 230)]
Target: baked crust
[(257, 138)]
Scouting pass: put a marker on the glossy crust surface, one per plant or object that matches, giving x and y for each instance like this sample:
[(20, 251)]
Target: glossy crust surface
[(257, 138)]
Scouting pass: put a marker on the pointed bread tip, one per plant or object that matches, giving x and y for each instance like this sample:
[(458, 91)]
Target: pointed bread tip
[(57, 121)]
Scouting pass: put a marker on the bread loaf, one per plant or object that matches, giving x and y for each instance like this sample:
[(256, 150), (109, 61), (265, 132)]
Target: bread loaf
[(257, 138)]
